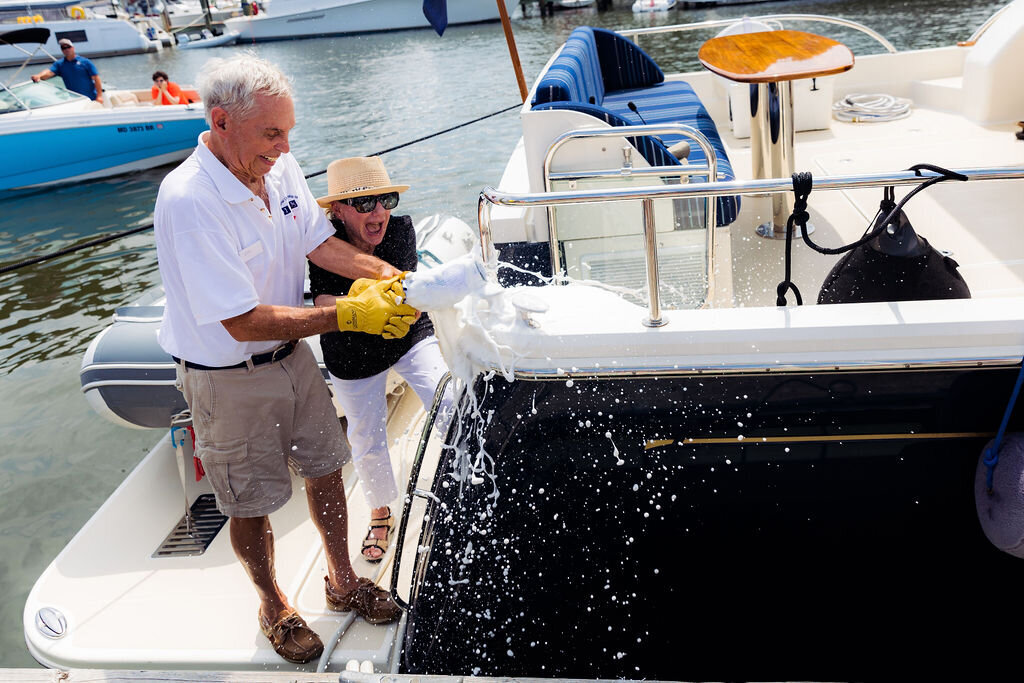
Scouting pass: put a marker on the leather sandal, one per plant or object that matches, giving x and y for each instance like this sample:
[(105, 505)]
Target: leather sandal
[(380, 543), (292, 638), (373, 604)]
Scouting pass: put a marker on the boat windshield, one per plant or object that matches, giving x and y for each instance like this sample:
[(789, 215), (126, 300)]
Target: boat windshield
[(34, 95)]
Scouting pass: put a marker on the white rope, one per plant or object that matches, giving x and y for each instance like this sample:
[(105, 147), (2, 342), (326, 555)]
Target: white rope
[(862, 108)]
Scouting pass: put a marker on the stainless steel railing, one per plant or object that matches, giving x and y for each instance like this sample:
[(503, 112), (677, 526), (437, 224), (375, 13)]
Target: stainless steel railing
[(650, 229), (490, 196)]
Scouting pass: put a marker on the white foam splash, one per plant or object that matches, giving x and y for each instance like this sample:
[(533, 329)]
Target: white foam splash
[(467, 330)]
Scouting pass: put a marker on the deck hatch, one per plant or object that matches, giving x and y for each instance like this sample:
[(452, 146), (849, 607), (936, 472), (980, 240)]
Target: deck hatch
[(207, 521)]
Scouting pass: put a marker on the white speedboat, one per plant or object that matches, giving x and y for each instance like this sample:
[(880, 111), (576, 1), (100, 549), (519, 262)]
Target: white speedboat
[(94, 35), (285, 19), (660, 470), (52, 135), (640, 6)]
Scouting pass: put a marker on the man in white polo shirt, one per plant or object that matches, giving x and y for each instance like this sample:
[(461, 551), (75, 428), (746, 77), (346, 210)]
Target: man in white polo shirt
[(235, 223)]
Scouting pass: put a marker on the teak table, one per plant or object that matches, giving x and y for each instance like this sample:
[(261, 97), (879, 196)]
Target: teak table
[(772, 60)]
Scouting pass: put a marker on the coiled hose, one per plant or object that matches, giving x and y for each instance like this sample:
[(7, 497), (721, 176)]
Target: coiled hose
[(863, 108)]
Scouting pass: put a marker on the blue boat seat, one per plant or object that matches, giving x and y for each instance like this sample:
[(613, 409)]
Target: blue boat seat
[(600, 73), (654, 150)]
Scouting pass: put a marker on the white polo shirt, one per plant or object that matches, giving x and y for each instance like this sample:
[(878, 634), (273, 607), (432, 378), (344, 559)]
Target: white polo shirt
[(221, 252)]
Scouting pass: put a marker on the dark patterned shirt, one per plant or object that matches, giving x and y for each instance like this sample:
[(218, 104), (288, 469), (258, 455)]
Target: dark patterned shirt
[(355, 355)]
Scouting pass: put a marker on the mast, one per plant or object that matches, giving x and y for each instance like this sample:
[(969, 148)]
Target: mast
[(512, 51)]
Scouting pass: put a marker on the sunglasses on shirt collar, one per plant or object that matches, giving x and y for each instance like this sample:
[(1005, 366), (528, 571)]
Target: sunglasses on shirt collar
[(368, 203)]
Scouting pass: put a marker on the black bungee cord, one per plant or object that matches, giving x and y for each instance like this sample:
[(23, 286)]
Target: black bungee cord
[(802, 184)]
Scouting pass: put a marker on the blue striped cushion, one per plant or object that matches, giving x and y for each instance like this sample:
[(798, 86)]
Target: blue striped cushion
[(670, 102), (651, 148), (676, 102), (656, 153), (575, 75), (623, 63)]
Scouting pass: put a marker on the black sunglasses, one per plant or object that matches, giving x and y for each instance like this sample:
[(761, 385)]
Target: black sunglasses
[(368, 203)]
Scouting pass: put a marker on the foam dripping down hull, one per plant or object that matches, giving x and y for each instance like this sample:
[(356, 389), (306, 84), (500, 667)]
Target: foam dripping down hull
[(770, 546)]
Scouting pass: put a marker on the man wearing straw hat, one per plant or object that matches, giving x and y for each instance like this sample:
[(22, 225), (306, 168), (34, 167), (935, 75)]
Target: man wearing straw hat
[(235, 223)]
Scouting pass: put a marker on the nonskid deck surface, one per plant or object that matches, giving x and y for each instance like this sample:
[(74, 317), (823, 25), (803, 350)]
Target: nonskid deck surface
[(125, 608)]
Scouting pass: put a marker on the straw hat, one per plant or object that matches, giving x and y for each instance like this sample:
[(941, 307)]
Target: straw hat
[(355, 177)]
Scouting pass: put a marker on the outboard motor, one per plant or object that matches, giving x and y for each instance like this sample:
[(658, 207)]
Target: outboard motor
[(897, 265)]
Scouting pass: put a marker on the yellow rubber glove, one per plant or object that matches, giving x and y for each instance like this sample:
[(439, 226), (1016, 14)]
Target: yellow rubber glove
[(360, 285), (376, 308), (398, 326)]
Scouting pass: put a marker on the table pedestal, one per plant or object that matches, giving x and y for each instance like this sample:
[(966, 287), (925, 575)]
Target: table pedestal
[(771, 147), (772, 60)]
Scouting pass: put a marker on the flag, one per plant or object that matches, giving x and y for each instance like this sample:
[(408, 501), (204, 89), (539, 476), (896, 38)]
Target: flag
[(436, 12)]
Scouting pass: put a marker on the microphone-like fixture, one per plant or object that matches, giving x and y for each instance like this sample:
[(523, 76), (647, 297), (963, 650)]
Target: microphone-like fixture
[(632, 108)]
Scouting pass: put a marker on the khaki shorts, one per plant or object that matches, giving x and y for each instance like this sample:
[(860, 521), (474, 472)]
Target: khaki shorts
[(252, 424)]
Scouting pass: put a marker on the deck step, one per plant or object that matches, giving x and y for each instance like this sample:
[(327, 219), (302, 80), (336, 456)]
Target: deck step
[(944, 94)]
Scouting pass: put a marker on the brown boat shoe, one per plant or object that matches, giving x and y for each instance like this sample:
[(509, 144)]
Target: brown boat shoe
[(292, 638), (373, 604)]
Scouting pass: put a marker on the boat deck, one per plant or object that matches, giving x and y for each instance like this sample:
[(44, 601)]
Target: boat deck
[(115, 579), (976, 225)]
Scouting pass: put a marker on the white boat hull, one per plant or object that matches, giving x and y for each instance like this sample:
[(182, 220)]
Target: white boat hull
[(305, 18), (99, 37), (83, 141)]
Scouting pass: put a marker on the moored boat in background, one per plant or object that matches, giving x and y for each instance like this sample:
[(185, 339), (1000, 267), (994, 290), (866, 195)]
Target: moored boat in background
[(202, 39), (574, 4), (712, 3), (285, 19), (653, 5), (93, 34), (52, 135)]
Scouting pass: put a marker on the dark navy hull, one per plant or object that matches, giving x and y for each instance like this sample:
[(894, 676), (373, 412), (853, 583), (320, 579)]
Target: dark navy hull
[(837, 539)]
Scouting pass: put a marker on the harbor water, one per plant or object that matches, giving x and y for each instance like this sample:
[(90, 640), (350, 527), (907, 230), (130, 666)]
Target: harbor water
[(354, 96)]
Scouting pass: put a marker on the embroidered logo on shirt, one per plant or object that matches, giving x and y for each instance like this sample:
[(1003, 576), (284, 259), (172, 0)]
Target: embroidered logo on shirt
[(289, 204)]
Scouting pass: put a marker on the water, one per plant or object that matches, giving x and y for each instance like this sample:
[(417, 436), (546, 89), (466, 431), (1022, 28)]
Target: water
[(358, 96)]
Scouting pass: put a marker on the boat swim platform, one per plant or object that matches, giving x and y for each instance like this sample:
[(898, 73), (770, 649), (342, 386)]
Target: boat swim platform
[(117, 676)]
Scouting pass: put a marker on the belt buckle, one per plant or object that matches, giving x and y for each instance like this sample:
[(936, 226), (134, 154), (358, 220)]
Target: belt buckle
[(283, 349)]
